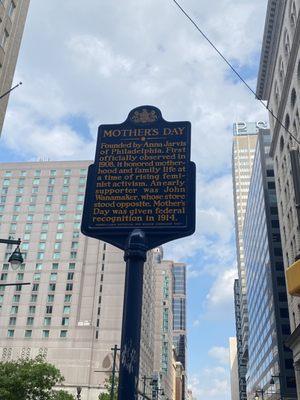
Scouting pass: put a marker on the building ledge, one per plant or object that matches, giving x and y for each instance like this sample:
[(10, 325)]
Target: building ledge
[(294, 338)]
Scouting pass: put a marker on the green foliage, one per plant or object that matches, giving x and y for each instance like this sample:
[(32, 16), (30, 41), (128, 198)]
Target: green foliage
[(62, 395), (30, 379), (108, 385)]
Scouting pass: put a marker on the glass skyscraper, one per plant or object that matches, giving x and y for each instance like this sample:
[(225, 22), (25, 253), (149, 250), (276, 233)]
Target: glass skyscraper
[(268, 317)]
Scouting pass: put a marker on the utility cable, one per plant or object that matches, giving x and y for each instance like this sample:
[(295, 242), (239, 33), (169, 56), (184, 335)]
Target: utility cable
[(233, 69), (10, 90)]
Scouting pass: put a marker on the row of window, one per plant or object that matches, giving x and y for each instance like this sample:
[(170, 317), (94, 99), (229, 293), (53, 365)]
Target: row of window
[(38, 172), (28, 333), (33, 298), (36, 181)]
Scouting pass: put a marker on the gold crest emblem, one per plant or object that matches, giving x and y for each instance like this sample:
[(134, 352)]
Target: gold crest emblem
[(144, 116)]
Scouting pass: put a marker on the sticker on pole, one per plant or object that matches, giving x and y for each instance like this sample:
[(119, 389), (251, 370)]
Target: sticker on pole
[(142, 178)]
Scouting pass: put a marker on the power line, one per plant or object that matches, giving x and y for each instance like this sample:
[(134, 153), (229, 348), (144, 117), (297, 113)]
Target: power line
[(233, 69)]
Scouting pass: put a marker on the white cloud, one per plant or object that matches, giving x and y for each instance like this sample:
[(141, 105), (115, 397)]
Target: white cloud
[(220, 354), (211, 383)]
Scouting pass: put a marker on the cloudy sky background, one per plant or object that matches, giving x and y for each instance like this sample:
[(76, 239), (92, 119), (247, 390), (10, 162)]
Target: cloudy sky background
[(88, 63)]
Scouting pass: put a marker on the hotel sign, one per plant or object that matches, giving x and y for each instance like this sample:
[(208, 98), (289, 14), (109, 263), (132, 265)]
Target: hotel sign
[(142, 178)]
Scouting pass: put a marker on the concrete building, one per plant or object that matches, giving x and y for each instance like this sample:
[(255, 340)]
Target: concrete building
[(278, 85), (13, 15), (243, 148), (234, 372), (266, 289), (179, 317), (72, 311), (163, 343)]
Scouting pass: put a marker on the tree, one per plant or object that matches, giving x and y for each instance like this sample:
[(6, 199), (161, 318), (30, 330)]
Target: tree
[(30, 379), (107, 386)]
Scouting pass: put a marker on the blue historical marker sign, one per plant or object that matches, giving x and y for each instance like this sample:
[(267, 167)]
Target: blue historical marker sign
[(142, 178)]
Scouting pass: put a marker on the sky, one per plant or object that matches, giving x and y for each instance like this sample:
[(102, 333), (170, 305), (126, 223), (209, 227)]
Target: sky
[(86, 63)]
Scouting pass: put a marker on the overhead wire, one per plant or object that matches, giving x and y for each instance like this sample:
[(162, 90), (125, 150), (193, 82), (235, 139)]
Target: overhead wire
[(233, 69)]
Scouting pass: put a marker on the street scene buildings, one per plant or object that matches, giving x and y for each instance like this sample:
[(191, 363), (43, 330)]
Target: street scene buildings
[(61, 291)]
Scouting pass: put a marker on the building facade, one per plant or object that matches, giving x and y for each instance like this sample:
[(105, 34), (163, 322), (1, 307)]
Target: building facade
[(266, 290), (13, 15), (278, 84), (72, 310), (163, 343), (179, 318), (234, 372), (243, 148)]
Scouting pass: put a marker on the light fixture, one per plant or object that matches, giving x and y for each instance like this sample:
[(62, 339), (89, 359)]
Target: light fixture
[(272, 382), (16, 259)]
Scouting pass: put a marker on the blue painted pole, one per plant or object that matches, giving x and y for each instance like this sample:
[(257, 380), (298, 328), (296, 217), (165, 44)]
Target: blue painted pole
[(135, 256)]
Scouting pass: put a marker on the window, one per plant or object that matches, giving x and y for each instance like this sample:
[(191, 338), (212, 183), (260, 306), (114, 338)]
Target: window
[(44, 227), (3, 276), (61, 217), (65, 321), (55, 265), (47, 207), (66, 309), (57, 245), (65, 189), (49, 198), (64, 198), (66, 181), (12, 321), (40, 255), (18, 199), (10, 333), (38, 266), (31, 309), (37, 276), (46, 217), (6, 182), (79, 207), (59, 236), (35, 189), (47, 321), (62, 207), (14, 309), (82, 180), (53, 172), (36, 181), (49, 309), (72, 265), (28, 227), (42, 246), (45, 334), (293, 97), (50, 298), (37, 172), (73, 255), (56, 255), (76, 225), (20, 276), (4, 38), (75, 235), (81, 189), (35, 287), (74, 245), (70, 276), (67, 172), (68, 298), (63, 334), (43, 236), (28, 333), (60, 226), (16, 298), (33, 298), (80, 197), (287, 44), (5, 267), (53, 276), (69, 286), (52, 287)]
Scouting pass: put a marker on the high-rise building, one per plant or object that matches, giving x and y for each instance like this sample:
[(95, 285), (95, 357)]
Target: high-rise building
[(278, 84), (266, 290), (234, 372), (163, 344), (13, 15), (179, 316), (243, 148), (72, 310)]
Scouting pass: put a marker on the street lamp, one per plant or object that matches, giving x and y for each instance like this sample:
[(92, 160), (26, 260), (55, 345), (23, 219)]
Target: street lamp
[(79, 388), (261, 391), (16, 258), (272, 381)]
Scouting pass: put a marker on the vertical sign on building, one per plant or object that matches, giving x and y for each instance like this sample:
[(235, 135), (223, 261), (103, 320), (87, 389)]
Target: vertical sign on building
[(140, 194)]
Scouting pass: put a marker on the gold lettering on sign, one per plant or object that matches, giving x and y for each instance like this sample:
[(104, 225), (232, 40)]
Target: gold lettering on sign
[(141, 177)]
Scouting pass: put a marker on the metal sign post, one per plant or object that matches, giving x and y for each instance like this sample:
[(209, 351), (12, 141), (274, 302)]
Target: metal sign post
[(140, 194)]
